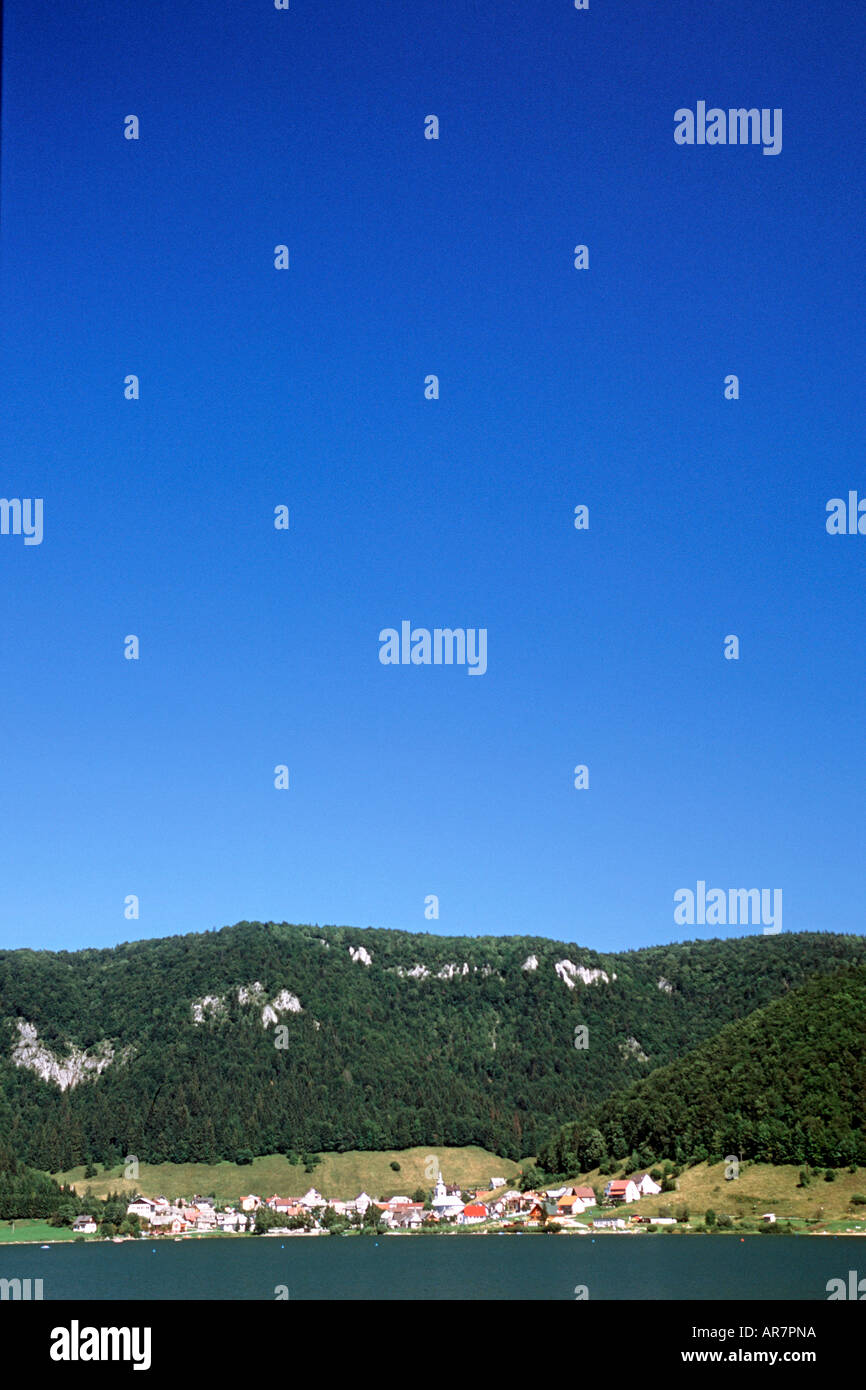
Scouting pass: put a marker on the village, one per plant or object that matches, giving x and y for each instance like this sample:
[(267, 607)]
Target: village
[(497, 1207)]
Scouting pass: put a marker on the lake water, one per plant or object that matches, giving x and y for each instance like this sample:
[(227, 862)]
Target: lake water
[(425, 1268)]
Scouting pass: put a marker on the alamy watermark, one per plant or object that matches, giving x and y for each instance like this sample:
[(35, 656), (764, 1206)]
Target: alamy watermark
[(22, 515), (736, 126), (855, 1288), (444, 646), (735, 907), (846, 520), (23, 1289), (77, 1343)]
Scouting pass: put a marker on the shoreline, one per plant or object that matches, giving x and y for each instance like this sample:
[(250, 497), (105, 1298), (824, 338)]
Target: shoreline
[(284, 1235)]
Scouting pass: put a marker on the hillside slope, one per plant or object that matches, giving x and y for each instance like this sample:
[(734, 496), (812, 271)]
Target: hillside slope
[(273, 1037), (787, 1084)]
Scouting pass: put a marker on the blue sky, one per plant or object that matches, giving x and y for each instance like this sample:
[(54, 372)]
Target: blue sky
[(305, 387)]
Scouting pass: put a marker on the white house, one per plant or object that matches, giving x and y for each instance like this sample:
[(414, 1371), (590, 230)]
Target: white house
[(472, 1213), (143, 1207), (164, 1217), (496, 1182), (569, 1205), (84, 1226), (408, 1216), (251, 1202), (341, 1208), (621, 1190), (645, 1184), (312, 1199), (281, 1204), (233, 1221)]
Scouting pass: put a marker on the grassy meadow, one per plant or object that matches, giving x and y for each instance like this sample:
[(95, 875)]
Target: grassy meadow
[(35, 1230), (761, 1187), (342, 1176)]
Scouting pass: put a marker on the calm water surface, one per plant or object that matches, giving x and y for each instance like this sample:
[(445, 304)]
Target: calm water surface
[(437, 1267)]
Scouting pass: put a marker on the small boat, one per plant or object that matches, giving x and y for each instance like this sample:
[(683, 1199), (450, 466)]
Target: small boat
[(45, 1247)]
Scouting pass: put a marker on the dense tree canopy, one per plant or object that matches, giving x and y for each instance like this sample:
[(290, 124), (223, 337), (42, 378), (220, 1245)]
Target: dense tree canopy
[(376, 1058), (787, 1084)]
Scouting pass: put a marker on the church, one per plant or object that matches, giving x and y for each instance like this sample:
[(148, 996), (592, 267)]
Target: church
[(447, 1202)]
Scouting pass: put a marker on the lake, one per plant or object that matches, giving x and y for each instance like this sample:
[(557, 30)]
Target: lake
[(425, 1268)]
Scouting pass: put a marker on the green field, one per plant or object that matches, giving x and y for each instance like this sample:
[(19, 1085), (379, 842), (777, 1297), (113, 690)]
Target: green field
[(341, 1176), (761, 1187), (35, 1230)]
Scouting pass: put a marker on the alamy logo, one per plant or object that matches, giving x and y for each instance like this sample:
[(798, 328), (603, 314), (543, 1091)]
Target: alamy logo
[(737, 907), (444, 646), (846, 521), (75, 1343), (19, 514), (736, 126), (856, 1288), (20, 1289)]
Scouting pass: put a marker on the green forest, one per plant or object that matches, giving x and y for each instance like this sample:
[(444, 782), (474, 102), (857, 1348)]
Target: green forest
[(27, 1193), (787, 1084), (378, 1058)]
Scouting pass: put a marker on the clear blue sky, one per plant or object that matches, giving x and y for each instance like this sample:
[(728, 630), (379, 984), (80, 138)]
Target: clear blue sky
[(306, 387)]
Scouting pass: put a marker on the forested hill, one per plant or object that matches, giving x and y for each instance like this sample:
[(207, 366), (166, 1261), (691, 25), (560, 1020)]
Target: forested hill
[(785, 1085), (267, 1038)]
